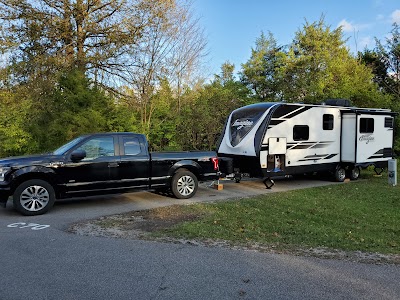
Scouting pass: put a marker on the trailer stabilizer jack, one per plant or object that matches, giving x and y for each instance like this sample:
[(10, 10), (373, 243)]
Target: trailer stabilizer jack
[(269, 183)]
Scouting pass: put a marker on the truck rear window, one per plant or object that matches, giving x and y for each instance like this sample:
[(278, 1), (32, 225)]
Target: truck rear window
[(131, 146)]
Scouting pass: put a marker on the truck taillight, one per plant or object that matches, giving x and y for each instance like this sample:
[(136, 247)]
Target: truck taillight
[(215, 162)]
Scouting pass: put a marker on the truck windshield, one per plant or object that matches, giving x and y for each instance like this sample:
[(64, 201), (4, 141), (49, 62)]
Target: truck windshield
[(244, 119), (66, 147)]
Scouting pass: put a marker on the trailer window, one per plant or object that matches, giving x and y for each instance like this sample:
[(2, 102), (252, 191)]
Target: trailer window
[(301, 133), (388, 122), (244, 119), (366, 125), (327, 122)]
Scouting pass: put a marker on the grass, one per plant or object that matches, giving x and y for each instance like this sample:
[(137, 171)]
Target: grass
[(362, 215)]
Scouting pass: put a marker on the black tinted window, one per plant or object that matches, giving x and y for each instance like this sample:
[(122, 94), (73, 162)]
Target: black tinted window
[(301, 132), (388, 122), (366, 125), (327, 122)]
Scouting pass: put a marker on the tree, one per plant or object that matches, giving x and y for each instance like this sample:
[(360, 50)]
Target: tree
[(385, 63), (372, 59), (318, 66), (76, 106), (203, 120), (170, 49), (258, 73), (387, 57), (97, 36), (62, 54), (16, 114)]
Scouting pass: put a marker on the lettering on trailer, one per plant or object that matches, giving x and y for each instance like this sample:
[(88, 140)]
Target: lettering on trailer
[(366, 138), (32, 226), (241, 124)]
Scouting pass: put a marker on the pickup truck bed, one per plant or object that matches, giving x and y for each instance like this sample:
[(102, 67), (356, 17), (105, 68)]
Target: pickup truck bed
[(99, 164)]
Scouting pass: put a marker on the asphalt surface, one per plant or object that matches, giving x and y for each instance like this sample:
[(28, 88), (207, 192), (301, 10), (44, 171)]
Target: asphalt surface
[(41, 260)]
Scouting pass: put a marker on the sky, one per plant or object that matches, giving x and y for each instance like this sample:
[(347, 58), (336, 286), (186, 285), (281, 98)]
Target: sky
[(232, 26)]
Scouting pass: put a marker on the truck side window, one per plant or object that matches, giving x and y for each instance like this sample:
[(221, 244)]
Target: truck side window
[(301, 133), (327, 122), (131, 146), (366, 125), (97, 147)]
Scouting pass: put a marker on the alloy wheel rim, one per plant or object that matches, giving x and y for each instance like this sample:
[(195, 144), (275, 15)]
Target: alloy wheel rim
[(186, 185), (342, 174), (34, 198)]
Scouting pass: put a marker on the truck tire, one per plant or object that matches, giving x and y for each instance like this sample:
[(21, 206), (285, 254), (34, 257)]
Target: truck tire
[(34, 197), (184, 184)]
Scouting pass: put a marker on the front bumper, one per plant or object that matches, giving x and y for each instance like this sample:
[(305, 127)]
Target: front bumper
[(5, 192)]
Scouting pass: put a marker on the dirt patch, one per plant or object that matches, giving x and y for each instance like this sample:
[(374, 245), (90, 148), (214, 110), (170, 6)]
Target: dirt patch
[(140, 225), (155, 219), (137, 224)]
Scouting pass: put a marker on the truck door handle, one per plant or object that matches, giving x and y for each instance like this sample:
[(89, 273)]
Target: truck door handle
[(113, 165)]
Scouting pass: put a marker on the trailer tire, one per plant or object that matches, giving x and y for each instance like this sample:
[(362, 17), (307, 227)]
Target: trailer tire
[(34, 197), (353, 173), (184, 184), (340, 174)]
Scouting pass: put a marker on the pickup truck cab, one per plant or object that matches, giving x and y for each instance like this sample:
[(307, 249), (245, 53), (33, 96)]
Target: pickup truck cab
[(100, 164)]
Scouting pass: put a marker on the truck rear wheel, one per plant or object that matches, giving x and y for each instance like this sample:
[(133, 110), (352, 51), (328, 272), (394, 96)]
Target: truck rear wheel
[(34, 197), (184, 184)]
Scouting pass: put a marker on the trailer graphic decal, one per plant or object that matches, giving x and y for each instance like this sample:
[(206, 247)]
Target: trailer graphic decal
[(382, 153), (302, 145), (318, 157), (285, 113), (308, 145)]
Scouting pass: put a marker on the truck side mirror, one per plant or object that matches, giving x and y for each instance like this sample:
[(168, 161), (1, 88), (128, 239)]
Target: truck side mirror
[(78, 155)]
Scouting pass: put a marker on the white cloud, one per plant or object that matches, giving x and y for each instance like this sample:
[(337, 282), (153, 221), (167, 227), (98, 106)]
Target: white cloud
[(346, 26), (350, 26), (396, 16), (380, 17), (365, 42)]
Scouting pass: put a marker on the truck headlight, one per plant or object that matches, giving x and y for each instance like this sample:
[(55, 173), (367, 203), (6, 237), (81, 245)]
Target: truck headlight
[(3, 172)]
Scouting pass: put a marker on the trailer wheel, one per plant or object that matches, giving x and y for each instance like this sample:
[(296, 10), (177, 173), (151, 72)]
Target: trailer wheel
[(34, 197), (340, 174), (353, 173), (184, 184)]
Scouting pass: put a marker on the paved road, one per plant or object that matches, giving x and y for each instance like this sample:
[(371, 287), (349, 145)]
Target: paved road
[(43, 262)]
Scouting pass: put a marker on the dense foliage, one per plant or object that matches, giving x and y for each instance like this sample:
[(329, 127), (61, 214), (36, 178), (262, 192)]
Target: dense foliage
[(55, 86)]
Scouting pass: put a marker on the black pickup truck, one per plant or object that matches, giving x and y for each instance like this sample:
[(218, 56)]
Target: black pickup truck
[(100, 164)]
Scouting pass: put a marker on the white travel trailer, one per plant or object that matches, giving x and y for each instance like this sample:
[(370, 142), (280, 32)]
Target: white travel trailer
[(276, 138)]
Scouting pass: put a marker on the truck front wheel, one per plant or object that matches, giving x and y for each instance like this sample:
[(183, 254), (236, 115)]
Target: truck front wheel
[(184, 184), (34, 197)]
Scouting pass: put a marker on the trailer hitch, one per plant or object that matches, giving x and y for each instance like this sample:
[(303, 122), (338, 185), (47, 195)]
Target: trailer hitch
[(269, 183)]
